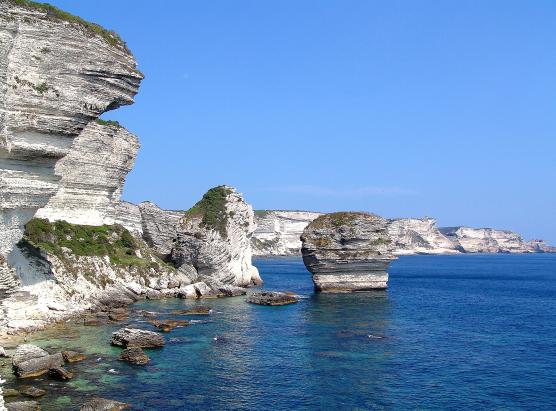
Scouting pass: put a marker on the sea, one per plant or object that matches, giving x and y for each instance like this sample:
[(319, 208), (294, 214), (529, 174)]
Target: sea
[(457, 332)]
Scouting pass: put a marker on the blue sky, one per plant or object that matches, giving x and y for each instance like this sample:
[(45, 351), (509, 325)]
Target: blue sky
[(403, 108)]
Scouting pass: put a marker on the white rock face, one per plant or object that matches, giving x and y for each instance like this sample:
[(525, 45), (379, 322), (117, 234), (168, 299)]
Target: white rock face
[(93, 174), (215, 238), (488, 240), (55, 77), (419, 236), (159, 226), (278, 232)]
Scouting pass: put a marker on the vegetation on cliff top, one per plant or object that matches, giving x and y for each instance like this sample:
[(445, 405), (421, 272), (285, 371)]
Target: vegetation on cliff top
[(113, 123), (212, 209), (53, 12), (113, 241)]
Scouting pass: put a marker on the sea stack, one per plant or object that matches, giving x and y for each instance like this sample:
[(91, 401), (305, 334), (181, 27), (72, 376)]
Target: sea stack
[(347, 251)]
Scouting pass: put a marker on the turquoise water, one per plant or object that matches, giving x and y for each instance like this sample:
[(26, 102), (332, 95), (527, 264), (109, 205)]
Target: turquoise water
[(451, 332)]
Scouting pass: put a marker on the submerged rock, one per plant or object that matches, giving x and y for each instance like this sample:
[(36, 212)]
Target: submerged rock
[(169, 325), (32, 361), (103, 404), (214, 237), (199, 310), (73, 356), (32, 392), (133, 337), (134, 355), (272, 298), (23, 406), (348, 251), (60, 373)]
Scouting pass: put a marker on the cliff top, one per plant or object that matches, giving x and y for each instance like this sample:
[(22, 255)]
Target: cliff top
[(342, 218), (212, 209), (52, 12)]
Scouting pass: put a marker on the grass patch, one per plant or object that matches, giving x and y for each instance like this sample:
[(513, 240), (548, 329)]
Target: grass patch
[(55, 13), (212, 210)]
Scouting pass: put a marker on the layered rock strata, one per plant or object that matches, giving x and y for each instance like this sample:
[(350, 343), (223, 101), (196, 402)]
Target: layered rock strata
[(57, 73), (214, 237), (488, 240), (278, 232), (419, 236), (93, 174), (159, 227), (347, 251)]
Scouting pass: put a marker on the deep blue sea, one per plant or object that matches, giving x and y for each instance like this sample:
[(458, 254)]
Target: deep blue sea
[(451, 332)]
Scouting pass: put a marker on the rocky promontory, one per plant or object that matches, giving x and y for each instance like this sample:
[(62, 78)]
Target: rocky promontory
[(214, 237), (347, 251)]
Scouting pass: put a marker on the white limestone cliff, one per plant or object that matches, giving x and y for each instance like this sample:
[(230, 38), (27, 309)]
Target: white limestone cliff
[(159, 227), (419, 236), (92, 177), (56, 75), (214, 237), (278, 232), (489, 240)]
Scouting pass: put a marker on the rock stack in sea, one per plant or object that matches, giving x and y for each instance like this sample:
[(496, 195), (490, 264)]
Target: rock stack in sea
[(214, 237), (347, 251)]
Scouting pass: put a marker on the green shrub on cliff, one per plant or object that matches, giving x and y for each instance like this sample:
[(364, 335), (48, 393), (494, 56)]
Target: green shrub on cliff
[(113, 123), (212, 209), (113, 241), (53, 12)]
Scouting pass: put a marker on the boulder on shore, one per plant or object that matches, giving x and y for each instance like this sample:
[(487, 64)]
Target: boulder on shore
[(272, 298), (32, 361), (347, 251), (133, 337)]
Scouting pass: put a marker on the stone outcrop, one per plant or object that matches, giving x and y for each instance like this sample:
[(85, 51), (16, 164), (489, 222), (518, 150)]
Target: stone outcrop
[(272, 298), (136, 338), (92, 177), (488, 240), (347, 251), (103, 404), (159, 227), (214, 237), (31, 361), (419, 236), (277, 232), (57, 73)]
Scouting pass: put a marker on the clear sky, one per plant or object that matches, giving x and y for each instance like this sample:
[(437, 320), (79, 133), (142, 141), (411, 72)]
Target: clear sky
[(403, 108)]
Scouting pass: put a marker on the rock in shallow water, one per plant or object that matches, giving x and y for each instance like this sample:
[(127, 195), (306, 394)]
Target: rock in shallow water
[(272, 298), (103, 404), (347, 251), (133, 337), (32, 392), (134, 355), (73, 356), (169, 325), (60, 373), (32, 361), (23, 406)]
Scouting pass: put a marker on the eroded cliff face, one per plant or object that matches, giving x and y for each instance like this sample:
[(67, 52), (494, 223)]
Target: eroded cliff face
[(215, 238), (92, 177), (488, 240), (56, 75), (419, 236), (347, 251), (159, 227), (278, 232)]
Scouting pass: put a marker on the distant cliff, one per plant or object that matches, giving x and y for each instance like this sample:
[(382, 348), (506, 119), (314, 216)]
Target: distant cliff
[(278, 233), (488, 240)]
